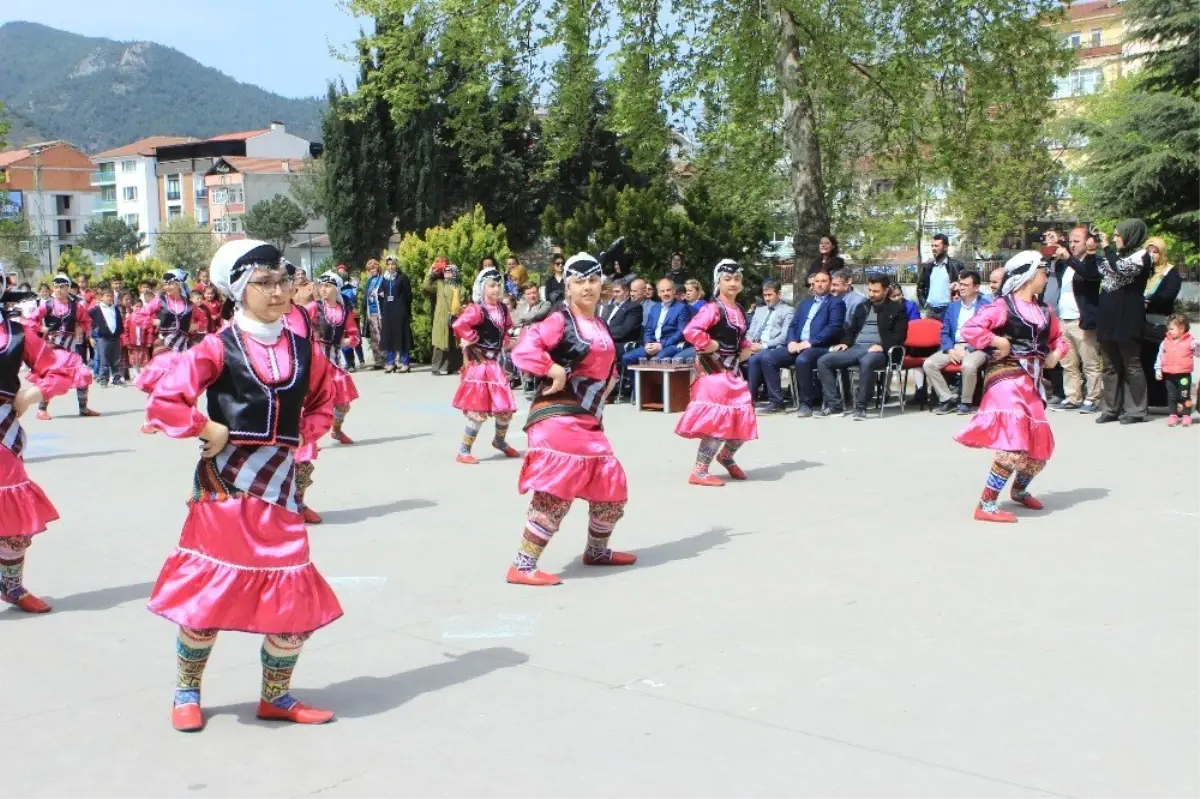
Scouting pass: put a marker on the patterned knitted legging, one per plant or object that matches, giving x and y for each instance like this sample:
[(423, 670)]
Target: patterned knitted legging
[(545, 516), (304, 480), (12, 565), (1003, 467), (721, 449), (279, 655), (475, 420)]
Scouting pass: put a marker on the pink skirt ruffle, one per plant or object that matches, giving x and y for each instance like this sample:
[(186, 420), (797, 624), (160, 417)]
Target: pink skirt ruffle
[(307, 453), (720, 408), (153, 372), (344, 390), (243, 564), (1011, 418), (68, 372), (484, 389), (24, 508), (569, 457)]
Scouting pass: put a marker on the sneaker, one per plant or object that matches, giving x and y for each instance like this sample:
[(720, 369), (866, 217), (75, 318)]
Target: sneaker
[(860, 414), (1186, 421), (963, 409), (1056, 400), (1065, 405), (1172, 420), (944, 408), (826, 412), (1089, 407), (773, 408), (805, 412)]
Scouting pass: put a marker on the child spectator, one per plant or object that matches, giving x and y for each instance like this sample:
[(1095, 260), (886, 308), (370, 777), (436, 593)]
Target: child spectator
[(106, 331), (213, 304), (139, 335), (1174, 367)]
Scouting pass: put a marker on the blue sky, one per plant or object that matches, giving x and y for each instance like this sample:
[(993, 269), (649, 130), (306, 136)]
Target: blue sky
[(288, 41)]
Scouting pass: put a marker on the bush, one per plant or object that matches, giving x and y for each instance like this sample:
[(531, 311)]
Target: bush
[(134, 270), (76, 263)]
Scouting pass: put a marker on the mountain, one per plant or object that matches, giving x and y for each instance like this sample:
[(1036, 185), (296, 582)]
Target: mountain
[(98, 93)]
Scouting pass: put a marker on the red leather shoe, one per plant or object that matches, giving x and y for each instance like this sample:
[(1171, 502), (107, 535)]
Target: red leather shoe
[(734, 470), (310, 516), (1029, 501), (508, 451), (28, 603), (299, 713), (89, 412), (470, 460), (341, 438), (614, 559), (148, 430), (44, 416), (982, 515), (705, 480), (535, 577), (187, 718)]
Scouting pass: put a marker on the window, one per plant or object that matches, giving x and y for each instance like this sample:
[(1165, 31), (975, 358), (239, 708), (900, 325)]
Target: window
[(174, 211), (201, 216), (1079, 83), (1073, 39), (128, 166), (131, 220), (108, 195), (1097, 37), (173, 194), (220, 225), (129, 192), (218, 197), (236, 195), (198, 187), (64, 203), (235, 224)]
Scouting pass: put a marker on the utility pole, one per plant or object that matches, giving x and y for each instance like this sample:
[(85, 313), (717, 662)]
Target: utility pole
[(40, 236)]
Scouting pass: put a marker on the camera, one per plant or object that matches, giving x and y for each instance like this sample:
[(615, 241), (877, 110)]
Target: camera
[(1049, 252)]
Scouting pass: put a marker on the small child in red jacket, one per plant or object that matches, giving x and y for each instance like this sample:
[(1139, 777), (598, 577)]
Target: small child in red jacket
[(1174, 367)]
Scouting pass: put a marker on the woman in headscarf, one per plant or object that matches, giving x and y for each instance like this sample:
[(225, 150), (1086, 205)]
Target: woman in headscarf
[(1121, 320), (1162, 289), (243, 560), (368, 310), (568, 456), (443, 289), (720, 413), (1023, 338), (394, 295), (64, 323), (24, 509), (483, 390), (335, 328)]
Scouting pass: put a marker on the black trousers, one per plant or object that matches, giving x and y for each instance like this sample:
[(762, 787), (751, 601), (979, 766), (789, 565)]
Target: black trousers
[(1179, 393), (1124, 380)]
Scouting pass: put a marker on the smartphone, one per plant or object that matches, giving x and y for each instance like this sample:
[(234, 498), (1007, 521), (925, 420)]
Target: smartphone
[(1049, 252)]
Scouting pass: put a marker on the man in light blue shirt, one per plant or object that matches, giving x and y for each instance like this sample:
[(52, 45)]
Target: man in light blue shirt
[(937, 277)]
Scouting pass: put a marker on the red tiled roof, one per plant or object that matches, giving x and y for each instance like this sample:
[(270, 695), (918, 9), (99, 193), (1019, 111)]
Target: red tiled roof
[(12, 156), (246, 134), (1096, 8), (143, 146), (1098, 52), (264, 166)]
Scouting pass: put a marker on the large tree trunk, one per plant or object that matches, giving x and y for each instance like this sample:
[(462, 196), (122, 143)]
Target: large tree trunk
[(804, 150)]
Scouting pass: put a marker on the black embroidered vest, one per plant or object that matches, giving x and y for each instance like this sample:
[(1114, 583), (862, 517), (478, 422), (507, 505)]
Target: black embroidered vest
[(1027, 338), (11, 360), (169, 321), (256, 411), (581, 395), (729, 341), (490, 343), (61, 324), (327, 331)]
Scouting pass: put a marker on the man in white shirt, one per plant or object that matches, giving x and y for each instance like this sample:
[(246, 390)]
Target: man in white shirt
[(955, 350), (1083, 357)]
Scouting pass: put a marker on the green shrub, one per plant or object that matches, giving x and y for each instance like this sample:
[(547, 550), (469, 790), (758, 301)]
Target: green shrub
[(134, 270)]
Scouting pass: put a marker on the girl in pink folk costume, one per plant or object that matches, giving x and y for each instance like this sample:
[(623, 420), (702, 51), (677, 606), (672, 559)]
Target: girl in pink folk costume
[(24, 509), (568, 455), (720, 412), (242, 562), (334, 328), (171, 314), (65, 321), (1023, 337), (483, 390), (296, 320)]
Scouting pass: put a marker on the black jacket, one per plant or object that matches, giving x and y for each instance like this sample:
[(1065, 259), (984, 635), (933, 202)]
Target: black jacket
[(100, 327), (626, 325), (1162, 301), (1121, 313), (1086, 286), (893, 323), (954, 267), (836, 263)]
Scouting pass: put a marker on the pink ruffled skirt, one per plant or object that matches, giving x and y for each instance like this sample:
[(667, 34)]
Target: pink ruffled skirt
[(24, 508), (570, 457), (484, 388), (720, 407), (344, 390), (243, 564), (1011, 418)]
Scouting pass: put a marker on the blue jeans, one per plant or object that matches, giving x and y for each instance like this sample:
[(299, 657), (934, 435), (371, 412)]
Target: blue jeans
[(390, 357), (108, 359)]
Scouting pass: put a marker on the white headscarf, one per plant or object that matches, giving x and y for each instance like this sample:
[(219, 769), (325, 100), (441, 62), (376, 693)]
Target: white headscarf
[(63, 279), (335, 280), (727, 266), (485, 276), (236, 261), (1019, 270)]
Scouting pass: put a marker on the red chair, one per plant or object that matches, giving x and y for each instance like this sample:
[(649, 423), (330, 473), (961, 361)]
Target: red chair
[(924, 339)]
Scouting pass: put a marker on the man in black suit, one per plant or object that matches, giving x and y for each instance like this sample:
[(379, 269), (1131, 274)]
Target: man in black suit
[(624, 319)]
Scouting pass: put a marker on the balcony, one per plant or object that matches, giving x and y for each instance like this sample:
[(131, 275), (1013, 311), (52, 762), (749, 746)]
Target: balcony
[(174, 196), (102, 206), (202, 193), (104, 178), (235, 208)]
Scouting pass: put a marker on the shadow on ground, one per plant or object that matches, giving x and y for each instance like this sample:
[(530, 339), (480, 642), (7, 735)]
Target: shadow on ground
[(361, 697), (1062, 500), (659, 554), (779, 470), (369, 442), (88, 601), (66, 456), (355, 515)]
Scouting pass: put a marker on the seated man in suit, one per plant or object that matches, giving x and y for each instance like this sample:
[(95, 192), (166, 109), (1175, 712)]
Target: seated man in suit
[(662, 337), (768, 331), (955, 349), (878, 325), (816, 326), (623, 317)]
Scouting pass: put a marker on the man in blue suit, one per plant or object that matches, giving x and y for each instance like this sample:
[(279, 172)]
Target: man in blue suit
[(816, 326), (662, 336)]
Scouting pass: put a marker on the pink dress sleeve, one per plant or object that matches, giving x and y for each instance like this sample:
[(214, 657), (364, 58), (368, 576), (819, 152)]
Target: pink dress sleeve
[(980, 328), (1058, 342), (317, 418), (40, 312), (352, 337), (54, 372), (464, 325), (172, 404), (532, 353), (696, 332)]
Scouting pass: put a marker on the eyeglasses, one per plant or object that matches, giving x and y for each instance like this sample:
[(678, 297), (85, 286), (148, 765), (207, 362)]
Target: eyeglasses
[(272, 286)]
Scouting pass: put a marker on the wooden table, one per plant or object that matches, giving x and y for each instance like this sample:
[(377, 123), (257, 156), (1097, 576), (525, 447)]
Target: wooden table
[(662, 387)]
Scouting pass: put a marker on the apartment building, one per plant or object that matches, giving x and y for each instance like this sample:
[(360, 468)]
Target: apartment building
[(50, 184), (180, 169), (127, 185), (1096, 30)]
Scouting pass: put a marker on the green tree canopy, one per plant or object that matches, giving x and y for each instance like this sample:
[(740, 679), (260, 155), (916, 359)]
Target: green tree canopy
[(185, 244), (275, 220), (112, 237)]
